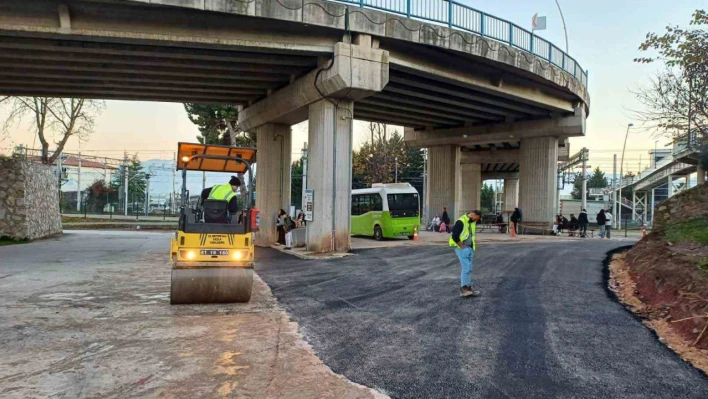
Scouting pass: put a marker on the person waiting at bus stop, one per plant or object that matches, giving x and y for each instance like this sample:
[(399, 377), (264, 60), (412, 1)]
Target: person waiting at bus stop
[(224, 192), (463, 239)]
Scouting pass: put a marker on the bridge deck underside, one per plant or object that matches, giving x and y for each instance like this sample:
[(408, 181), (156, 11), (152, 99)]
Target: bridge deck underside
[(67, 66), (80, 68)]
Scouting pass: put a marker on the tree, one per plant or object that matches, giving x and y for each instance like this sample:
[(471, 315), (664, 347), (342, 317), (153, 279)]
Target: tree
[(60, 118), (218, 124), (676, 100), (596, 180), (487, 198), (99, 194), (296, 184)]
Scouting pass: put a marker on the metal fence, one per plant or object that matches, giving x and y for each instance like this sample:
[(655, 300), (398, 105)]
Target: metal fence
[(468, 19)]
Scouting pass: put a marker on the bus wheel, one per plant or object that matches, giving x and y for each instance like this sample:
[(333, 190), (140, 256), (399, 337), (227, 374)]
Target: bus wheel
[(378, 234)]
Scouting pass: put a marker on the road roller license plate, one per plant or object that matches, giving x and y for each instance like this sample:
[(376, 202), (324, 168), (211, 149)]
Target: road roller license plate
[(214, 252)]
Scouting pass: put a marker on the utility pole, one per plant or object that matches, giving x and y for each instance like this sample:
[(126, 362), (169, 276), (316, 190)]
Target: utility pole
[(78, 187), (125, 184), (147, 194), (585, 179), (425, 185), (203, 181), (105, 180), (615, 185), (59, 177), (396, 164), (304, 175), (173, 206)]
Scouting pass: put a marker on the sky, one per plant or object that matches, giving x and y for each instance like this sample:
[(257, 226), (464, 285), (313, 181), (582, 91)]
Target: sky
[(603, 36)]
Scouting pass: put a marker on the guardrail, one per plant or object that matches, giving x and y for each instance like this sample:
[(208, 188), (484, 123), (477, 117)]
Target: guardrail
[(468, 19)]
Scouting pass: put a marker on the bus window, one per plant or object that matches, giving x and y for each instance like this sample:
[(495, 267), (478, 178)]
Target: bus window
[(403, 205), (376, 203), (355, 205), (364, 204)]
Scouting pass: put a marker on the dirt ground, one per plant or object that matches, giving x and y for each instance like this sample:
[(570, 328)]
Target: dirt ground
[(87, 315), (655, 308)]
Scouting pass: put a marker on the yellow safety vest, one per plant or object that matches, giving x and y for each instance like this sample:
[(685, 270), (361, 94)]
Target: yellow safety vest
[(467, 230), (222, 192)]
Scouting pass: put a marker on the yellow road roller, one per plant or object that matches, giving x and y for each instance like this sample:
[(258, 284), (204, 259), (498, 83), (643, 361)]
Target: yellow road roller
[(212, 251)]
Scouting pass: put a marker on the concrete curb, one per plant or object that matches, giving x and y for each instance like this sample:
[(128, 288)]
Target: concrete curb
[(302, 254)]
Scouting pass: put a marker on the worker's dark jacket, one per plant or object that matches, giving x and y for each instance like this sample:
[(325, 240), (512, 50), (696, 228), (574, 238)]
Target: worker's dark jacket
[(601, 219), (583, 218), (516, 216), (457, 230), (446, 218), (233, 203)]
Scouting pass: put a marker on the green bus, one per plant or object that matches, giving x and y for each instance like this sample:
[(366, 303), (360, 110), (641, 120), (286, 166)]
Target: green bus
[(385, 211)]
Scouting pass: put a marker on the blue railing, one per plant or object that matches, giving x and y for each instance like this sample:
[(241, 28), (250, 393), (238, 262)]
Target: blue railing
[(468, 19)]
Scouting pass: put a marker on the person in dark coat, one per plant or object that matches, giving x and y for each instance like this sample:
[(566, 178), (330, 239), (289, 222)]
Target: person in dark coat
[(601, 219), (280, 224), (445, 218), (516, 219), (583, 223), (573, 223)]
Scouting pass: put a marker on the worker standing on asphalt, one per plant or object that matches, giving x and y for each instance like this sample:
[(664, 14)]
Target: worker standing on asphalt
[(463, 239)]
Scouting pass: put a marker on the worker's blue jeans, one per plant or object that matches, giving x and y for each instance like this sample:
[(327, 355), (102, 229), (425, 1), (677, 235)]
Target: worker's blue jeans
[(465, 255), (602, 231)]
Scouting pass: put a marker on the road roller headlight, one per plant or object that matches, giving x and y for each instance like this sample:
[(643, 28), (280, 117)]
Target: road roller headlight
[(188, 254), (239, 255)]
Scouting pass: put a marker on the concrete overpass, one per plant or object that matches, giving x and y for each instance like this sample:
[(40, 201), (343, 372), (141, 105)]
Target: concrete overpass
[(482, 94)]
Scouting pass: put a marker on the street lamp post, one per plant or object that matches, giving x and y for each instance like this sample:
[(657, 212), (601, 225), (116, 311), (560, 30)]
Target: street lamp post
[(564, 28), (619, 210)]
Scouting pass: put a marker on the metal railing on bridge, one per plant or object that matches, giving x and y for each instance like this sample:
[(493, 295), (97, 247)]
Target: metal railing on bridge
[(468, 19)]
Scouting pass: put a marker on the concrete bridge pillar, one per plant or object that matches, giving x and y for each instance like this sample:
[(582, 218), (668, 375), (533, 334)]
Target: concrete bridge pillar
[(538, 178), (444, 180), (700, 175), (330, 175), (511, 194), (471, 194), (272, 178)]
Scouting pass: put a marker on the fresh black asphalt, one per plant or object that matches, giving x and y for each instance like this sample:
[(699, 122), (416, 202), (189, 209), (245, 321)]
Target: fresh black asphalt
[(543, 327)]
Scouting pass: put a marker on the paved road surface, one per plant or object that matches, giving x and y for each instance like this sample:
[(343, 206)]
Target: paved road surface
[(544, 326)]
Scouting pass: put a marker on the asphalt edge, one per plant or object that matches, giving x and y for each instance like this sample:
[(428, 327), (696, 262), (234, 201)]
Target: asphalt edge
[(613, 297)]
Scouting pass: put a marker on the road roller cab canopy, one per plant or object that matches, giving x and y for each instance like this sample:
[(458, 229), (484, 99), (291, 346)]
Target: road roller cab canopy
[(214, 158)]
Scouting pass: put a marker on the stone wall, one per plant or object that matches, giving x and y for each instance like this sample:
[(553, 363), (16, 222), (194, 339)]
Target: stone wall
[(689, 205), (29, 204)]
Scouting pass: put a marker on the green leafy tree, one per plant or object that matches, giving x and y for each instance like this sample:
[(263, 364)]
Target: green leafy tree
[(676, 100), (596, 180), (296, 184), (218, 124), (487, 198)]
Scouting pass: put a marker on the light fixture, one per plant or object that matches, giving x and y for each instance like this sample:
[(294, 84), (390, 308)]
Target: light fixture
[(185, 158), (191, 255), (465, 136)]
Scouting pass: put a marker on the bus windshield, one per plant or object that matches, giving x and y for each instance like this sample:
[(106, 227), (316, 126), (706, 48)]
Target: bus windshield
[(403, 205)]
